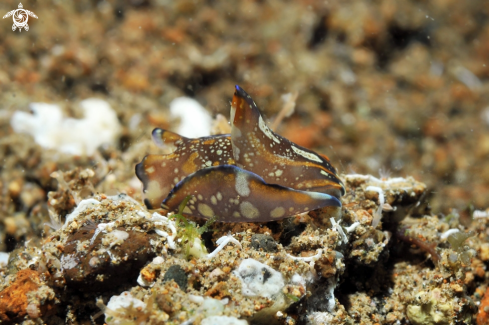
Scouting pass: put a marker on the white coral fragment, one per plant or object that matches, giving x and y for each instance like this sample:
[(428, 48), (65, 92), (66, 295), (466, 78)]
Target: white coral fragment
[(68, 261), (378, 212), (320, 318), (448, 233), (115, 237), (52, 130), (352, 227), (374, 180), (84, 204), (160, 220), (122, 304), (339, 229), (308, 258), (195, 120), (222, 242), (258, 279), (101, 227), (480, 214), (330, 295)]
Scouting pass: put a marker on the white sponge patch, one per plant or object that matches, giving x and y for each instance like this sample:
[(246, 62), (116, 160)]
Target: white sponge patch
[(259, 279), (195, 120), (72, 136), (125, 300)]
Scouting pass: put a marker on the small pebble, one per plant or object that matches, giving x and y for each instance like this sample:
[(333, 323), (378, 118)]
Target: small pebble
[(176, 273), (266, 242)]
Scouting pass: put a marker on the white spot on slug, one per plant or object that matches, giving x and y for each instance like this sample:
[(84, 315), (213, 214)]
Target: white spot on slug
[(187, 210), (278, 212), (264, 128), (307, 155), (248, 210), (154, 190), (241, 185), (205, 210), (325, 173)]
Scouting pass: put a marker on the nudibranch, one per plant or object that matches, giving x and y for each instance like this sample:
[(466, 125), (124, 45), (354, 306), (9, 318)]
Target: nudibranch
[(251, 175)]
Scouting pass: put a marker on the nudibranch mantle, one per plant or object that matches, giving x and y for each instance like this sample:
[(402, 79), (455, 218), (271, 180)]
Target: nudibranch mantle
[(251, 175), (273, 157)]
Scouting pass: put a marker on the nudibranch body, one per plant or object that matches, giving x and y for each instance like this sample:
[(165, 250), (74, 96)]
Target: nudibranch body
[(251, 175), (259, 150), (161, 173)]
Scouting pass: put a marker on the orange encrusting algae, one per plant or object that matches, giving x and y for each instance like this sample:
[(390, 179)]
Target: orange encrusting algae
[(483, 314)]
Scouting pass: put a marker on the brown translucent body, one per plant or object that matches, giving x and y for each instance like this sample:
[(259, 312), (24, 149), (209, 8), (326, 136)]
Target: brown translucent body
[(253, 174)]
